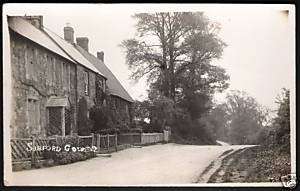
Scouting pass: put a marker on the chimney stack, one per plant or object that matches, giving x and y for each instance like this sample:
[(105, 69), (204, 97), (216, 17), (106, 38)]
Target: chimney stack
[(69, 33), (83, 42), (100, 56), (37, 21)]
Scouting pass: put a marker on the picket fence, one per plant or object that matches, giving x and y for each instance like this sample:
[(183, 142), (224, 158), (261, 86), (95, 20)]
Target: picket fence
[(20, 147)]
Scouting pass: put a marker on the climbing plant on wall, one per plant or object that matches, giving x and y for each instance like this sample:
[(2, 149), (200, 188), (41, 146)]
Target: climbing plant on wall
[(82, 117)]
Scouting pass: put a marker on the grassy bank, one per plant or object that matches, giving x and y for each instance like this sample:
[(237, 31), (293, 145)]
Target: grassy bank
[(257, 164)]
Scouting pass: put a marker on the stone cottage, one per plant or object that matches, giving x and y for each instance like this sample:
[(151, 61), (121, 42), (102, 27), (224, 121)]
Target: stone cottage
[(55, 81), (119, 101)]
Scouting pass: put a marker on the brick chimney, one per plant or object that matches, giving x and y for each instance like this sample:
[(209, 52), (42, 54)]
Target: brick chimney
[(36, 20), (69, 33), (83, 42), (100, 56)]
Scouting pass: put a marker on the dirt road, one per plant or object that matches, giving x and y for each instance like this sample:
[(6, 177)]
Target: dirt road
[(150, 165)]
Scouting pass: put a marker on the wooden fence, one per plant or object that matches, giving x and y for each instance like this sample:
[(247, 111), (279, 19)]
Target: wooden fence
[(106, 142), (31, 149), (150, 138), (129, 138), (19, 149)]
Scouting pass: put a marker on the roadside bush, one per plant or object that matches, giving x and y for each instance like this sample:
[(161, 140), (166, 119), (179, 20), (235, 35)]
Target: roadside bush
[(188, 131), (101, 117), (66, 157)]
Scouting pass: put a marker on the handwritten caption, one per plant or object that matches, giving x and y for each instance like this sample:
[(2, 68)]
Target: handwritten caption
[(55, 148)]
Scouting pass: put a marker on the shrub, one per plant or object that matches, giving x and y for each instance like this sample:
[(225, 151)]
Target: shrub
[(188, 131), (101, 117), (67, 157)]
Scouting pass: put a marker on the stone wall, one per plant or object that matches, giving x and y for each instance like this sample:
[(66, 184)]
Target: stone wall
[(81, 87), (90, 97), (37, 74), (30, 64)]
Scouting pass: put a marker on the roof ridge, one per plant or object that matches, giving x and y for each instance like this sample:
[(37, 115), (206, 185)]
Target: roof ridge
[(66, 49), (35, 34), (55, 34)]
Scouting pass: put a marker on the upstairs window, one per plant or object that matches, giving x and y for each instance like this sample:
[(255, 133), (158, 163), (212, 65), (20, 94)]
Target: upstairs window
[(48, 69), (30, 64), (66, 76), (104, 85), (53, 70), (126, 108), (71, 76), (101, 83), (86, 83)]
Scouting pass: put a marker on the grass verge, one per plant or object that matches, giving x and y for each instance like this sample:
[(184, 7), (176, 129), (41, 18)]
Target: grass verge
[(256, 164)]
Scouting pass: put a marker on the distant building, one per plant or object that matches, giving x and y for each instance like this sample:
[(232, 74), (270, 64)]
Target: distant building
[(55, 81)]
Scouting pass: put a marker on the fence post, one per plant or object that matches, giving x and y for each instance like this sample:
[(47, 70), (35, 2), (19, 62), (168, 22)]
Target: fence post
[(56, 139), (33, 152), (107, 142), (116, 141), (93, 139), (98, 142)]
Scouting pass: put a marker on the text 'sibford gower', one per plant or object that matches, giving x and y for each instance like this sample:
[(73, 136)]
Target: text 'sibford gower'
[(56, 148)]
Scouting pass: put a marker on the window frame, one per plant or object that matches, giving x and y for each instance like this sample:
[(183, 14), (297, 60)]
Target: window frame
[(86, 82), (30, 59)]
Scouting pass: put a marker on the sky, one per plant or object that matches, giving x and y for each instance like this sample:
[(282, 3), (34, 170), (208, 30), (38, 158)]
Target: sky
[(260, 56)]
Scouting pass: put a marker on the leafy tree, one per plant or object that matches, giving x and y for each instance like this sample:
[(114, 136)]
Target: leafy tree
[(169, 43), (282, 120), (246, 117), (141, 110), (84, 124), (174, 50), (216, 122)]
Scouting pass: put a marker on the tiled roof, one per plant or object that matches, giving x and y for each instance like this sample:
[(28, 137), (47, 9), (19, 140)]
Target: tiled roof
[(72, 51), (29, 31), (115, 87)]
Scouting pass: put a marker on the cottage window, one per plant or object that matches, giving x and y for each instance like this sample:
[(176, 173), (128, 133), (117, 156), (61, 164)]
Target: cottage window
[(104, 85), (30, 64), (60, 74), (101, 83), (55, 72), (113, 104), (69, 77), (86, 83), (116, 103), (65, 76), (52, 64), (58, 69), (49, 71)]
